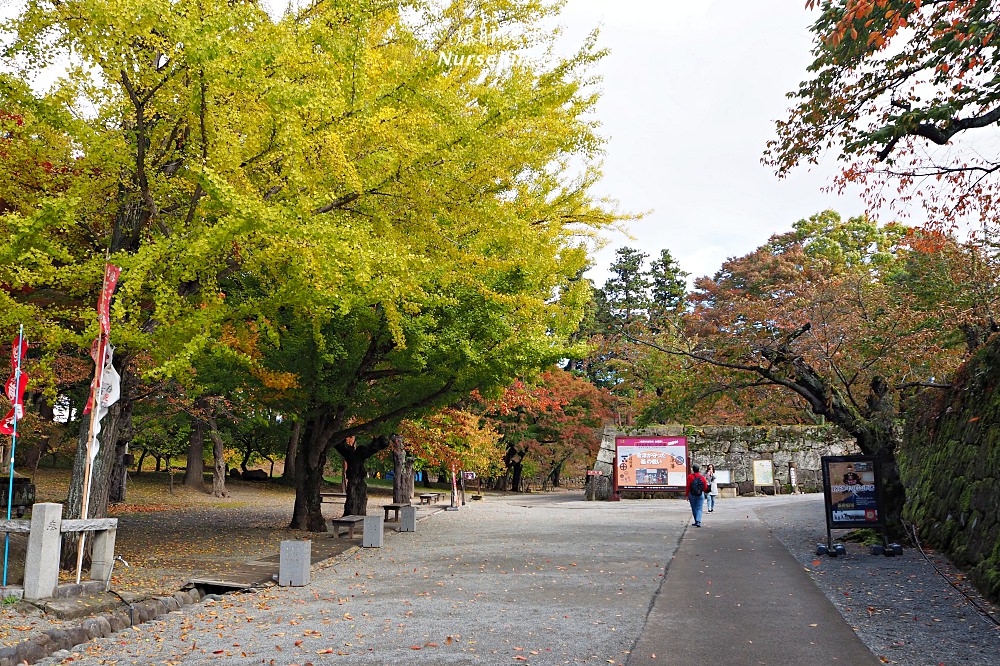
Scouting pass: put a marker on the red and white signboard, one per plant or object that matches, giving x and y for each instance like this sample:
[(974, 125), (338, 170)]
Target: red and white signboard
[(650, 463)]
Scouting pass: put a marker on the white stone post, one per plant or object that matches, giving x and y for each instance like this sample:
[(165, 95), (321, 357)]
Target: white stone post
[(408, 519), (103, 557), (294, 560), (373, 532), (41, 563)]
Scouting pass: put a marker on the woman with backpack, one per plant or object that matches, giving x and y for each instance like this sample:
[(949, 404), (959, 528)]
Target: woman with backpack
[(697, 486)]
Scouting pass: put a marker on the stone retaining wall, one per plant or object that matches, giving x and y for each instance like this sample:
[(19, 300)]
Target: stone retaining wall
[(736, 447), (950, 463)]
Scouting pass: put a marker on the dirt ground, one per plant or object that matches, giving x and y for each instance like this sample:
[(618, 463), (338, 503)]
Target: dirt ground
[(169, 533)]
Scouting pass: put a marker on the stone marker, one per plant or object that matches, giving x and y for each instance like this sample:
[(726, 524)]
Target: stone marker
[(41, 563), (373, 532), (408, 519), (293, 562)]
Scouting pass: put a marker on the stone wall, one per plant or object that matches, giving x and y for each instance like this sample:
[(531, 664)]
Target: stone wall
[(950, 463), (736, 447)]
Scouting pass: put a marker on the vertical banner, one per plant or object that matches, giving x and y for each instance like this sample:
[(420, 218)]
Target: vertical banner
[(111, 273), (15, 386), (15, 393), (104, 392), (852, 491), (651, 463)]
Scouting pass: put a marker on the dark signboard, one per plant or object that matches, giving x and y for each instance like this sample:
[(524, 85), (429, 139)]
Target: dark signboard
[(852, 491)]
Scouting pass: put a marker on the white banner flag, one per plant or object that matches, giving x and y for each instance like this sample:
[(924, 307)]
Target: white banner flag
[(109, 394)]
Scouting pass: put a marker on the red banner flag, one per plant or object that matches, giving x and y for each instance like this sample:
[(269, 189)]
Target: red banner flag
[(111, 273), (15, 386), (17, 354), (16, 393), (7, 424)]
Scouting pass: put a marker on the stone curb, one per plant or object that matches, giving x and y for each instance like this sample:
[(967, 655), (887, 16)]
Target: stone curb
[(52, 641)]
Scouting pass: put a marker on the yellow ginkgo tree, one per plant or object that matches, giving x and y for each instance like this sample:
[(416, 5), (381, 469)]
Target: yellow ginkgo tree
[(364, 223)]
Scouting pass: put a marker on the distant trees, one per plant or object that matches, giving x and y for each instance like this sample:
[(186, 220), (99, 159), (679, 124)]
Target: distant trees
[(549, 423), (635, 298), (842, 315)]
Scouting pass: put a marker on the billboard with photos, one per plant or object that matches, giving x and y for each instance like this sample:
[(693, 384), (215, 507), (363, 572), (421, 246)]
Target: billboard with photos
[(852, 492)]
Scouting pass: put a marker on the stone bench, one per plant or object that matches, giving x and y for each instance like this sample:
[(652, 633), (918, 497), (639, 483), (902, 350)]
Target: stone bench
[(430, 498), (395, 511), (331, 497), (346, 521)]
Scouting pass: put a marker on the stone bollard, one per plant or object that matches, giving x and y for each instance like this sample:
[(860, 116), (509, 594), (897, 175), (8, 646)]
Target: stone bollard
[(373, 532), (408, 519), (41, 563), (102, 560), (294, 560)]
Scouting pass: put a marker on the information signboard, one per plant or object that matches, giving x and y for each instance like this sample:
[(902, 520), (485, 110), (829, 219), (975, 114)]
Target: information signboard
[(852, 491), (763, 472), (651, 463)]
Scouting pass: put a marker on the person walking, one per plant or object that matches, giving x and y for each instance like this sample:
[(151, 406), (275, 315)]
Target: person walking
[(696, 488), (713, 488)]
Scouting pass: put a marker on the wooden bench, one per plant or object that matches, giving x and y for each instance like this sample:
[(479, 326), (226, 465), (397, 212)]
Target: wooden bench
[(430, 498), (395, 509), (346, 521), (332, 497)]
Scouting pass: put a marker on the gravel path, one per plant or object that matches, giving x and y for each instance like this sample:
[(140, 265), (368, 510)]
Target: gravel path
[(904, 608), (545, 580)]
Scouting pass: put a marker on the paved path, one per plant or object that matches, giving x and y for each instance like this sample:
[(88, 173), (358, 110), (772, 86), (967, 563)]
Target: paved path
[(735, 593), (542, 579)]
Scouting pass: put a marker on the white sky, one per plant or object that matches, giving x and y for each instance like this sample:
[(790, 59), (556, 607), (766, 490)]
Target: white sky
[(691, 92)]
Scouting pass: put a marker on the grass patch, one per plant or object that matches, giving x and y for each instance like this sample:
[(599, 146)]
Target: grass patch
[(866, 536)]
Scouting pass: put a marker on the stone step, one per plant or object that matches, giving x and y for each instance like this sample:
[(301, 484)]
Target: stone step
[(85, 605)]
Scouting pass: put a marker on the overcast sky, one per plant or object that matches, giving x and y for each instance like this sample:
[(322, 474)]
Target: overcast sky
[(691, 92)]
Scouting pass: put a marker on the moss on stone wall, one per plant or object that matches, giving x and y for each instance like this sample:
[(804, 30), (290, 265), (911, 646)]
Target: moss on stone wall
[(950, 463)]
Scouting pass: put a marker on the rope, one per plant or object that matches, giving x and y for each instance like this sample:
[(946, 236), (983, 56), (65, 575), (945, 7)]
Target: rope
[(984, 613)]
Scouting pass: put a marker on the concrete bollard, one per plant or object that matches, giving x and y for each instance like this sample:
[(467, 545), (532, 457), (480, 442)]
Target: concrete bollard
[(408, 519), (373, 532), (294, 560), (41, 563), (102, 561)]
